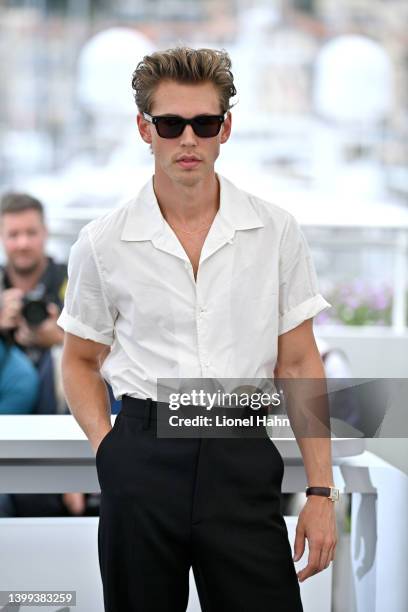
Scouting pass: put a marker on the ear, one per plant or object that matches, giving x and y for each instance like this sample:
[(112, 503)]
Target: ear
[(226, 128), (144, 128)]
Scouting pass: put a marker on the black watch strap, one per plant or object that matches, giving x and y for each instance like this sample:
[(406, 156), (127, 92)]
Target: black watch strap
[(330, 492)]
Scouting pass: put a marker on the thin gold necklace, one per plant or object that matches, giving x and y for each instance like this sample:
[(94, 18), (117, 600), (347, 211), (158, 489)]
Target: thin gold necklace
[(189, 232), (179, 229)]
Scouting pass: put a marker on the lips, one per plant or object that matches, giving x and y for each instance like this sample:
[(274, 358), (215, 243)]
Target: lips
[(188, 161)]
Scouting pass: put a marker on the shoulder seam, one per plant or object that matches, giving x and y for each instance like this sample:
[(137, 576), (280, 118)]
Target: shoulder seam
[(98, 268)]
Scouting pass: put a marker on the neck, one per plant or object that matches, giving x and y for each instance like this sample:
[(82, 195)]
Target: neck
[(26, 282), (189, 206)]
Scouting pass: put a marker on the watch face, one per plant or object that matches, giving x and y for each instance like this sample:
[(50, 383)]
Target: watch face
[(334, 494)]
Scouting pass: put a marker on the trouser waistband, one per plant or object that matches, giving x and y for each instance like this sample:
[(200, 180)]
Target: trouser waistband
[(139, 408), (150, 410)]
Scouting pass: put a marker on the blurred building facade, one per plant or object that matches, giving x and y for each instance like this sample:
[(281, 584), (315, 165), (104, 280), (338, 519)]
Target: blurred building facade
[(43, 124), (67, 136)]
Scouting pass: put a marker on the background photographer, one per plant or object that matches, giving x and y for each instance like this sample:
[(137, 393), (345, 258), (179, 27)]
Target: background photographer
[(32, 288)]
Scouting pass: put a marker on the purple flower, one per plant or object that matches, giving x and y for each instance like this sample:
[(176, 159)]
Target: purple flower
[(322, 318), (380, 301), (359, 286), (352, 302)]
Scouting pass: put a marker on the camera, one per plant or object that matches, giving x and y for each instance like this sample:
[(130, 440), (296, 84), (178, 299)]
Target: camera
[(35, 304)]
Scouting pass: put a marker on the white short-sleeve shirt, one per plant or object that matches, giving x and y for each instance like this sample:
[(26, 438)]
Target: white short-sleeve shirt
[(131, 286)]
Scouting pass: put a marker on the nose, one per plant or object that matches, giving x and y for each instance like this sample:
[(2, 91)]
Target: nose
[(188, 137), (23, 241)]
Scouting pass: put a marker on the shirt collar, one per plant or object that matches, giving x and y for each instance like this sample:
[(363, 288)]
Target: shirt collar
[(144, 220)]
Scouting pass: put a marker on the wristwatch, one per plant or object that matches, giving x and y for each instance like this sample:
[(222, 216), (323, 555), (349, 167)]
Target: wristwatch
[(330, 492)]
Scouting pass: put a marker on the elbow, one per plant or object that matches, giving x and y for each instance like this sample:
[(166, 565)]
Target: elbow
[(309, 366), (288, 370)]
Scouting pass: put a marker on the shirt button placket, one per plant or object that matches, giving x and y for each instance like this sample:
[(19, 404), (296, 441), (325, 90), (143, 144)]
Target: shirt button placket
[(203, 354)]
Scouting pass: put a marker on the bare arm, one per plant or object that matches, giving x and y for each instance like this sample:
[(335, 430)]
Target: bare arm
[(298, 357), (84, 387)]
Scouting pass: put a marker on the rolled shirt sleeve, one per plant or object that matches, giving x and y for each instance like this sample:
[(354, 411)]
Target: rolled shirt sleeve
[(299, 297), (87, 312)]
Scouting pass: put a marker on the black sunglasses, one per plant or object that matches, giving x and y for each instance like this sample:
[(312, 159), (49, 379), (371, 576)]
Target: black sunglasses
[(172, 126)]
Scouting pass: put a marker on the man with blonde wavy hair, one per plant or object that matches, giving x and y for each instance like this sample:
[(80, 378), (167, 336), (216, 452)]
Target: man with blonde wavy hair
[(192, 279)]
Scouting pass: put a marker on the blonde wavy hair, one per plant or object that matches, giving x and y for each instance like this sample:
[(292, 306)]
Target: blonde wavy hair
[(183, 65)]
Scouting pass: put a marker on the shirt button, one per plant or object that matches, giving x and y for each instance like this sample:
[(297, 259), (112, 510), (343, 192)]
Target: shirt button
[(201, 311)]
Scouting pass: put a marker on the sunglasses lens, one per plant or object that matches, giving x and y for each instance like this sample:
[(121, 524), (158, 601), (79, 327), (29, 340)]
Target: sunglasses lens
[(206, 126), (169, 127)]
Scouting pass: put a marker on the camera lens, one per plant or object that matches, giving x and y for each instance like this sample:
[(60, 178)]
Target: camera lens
[(35, 312)]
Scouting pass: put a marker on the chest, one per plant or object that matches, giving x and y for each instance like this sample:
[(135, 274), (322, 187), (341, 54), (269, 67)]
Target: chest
[(226, 320), (155, 275), (193, 246)]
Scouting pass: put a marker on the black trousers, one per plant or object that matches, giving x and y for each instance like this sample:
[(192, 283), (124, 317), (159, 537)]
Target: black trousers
[(168, 504)]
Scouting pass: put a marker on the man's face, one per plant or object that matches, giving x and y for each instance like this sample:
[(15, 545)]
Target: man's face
[(23, 235), (185, 100)]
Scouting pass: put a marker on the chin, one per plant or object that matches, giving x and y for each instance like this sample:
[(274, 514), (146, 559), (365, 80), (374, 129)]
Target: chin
[(191, 179), (25, 267)]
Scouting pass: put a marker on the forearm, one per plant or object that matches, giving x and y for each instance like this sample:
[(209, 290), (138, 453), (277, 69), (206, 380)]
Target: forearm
[(308, 414), (316, 453), (87, 397)]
